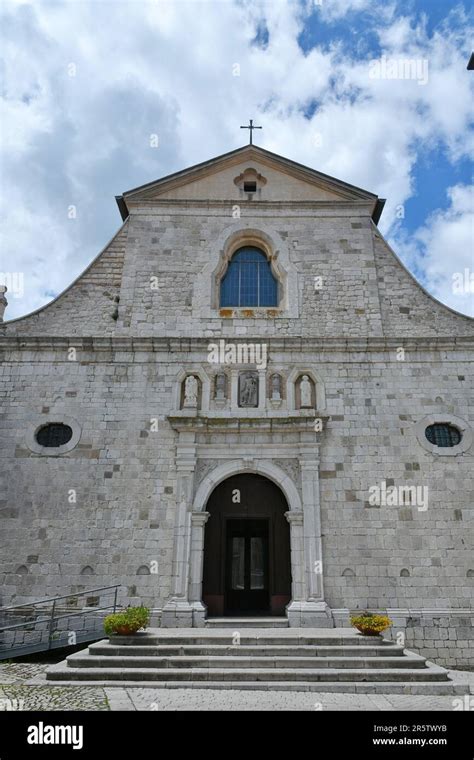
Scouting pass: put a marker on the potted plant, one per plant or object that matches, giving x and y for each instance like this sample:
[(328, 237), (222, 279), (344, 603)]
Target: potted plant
[(127, 622), (369, 624)]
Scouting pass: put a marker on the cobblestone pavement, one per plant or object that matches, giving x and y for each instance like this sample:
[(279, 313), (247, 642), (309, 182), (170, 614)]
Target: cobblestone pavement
[(20, 697), (19, 672), (41, 696), (207, 699), (14, 693)]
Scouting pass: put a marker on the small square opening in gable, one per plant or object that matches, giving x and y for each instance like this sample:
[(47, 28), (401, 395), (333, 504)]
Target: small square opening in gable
[(250, 187)]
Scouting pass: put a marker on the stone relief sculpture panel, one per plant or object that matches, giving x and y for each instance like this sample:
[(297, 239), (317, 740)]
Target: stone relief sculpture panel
[(203, 468), (292, 469), (248, 389)]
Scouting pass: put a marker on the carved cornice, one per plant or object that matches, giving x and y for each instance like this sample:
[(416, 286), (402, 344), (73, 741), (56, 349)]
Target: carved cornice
[(259, 423), (179, 203), (199, 518), (294, 517), (303, 345)]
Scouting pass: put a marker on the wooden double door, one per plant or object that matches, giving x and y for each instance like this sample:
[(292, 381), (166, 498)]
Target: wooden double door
[(246, 581), (247, 549)]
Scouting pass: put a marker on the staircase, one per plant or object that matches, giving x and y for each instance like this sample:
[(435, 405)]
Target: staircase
[(239, 657)]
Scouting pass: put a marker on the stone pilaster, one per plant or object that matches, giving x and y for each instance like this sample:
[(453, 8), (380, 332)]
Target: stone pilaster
[(234, 390), (178, 611), (198, 521), (262, 400), (310, 610), (313, 556), (296, 545)]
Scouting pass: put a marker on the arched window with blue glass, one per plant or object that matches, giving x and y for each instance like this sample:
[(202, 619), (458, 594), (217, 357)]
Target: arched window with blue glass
[(249, 280)]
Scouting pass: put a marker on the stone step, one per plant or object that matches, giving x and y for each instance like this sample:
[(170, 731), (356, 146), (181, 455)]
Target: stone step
[(256, 639), (339, 660), (425, 688), (247, 622), (61, 672), (81, 660), (267, 650)]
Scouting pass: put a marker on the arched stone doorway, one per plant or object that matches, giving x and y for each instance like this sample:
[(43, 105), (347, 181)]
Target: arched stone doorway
[(247, 561)]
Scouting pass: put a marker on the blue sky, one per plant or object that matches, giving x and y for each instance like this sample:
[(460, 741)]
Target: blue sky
[(85, 84), (434, 172)]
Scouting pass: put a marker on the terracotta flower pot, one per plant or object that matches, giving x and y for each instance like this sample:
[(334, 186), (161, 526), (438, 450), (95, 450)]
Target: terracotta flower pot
[(370, 625), (368, 631), (125, 630)]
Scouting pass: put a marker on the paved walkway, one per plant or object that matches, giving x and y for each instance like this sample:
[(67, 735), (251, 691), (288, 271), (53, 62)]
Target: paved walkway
[(17, 683)]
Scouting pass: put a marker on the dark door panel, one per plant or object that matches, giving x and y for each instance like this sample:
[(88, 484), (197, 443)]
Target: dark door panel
[(261, 573), (246, 578)]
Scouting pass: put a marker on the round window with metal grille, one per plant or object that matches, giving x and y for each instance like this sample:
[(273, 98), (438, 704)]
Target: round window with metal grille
[(54, 435), (443, 434)]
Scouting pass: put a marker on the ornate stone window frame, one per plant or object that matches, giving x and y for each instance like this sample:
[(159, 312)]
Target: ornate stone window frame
[(206, 300), (256, 239), (53, 451), (250, 175), (449, 419)]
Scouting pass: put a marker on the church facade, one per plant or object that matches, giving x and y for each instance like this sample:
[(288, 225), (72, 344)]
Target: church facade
[(246, 405)]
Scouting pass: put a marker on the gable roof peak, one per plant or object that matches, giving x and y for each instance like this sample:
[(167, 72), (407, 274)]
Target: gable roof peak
[(251, 152)]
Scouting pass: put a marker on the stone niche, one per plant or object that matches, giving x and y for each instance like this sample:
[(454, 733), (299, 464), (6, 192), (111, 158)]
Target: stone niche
[(191, 392), (275, 389), (220, 392), (305, 392)]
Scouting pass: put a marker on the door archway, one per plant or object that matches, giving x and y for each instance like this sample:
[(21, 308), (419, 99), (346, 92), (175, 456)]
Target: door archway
[(247, 563)]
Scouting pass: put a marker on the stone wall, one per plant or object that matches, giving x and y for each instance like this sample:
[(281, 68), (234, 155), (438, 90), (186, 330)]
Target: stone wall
[(110, 503), (89, 306), (161, 266), (443, 636), (387, 355)]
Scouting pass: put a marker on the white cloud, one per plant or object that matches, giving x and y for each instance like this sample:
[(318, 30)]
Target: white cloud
[(443, 249), (167, 68), (336, 9)]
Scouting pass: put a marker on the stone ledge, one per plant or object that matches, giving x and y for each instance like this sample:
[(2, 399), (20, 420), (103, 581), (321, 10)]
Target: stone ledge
[(264, 421), (157, 344)]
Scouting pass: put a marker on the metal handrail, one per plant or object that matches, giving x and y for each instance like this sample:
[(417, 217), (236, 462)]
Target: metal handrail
[(55, 598), (56, 617), (49, 617)]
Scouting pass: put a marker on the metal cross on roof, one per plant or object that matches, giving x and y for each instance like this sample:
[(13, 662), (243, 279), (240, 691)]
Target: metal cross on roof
[(251, 128)]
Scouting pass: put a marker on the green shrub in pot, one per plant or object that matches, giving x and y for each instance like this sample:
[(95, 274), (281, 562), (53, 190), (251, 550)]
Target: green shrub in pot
[(370, 624), (127, 622)]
